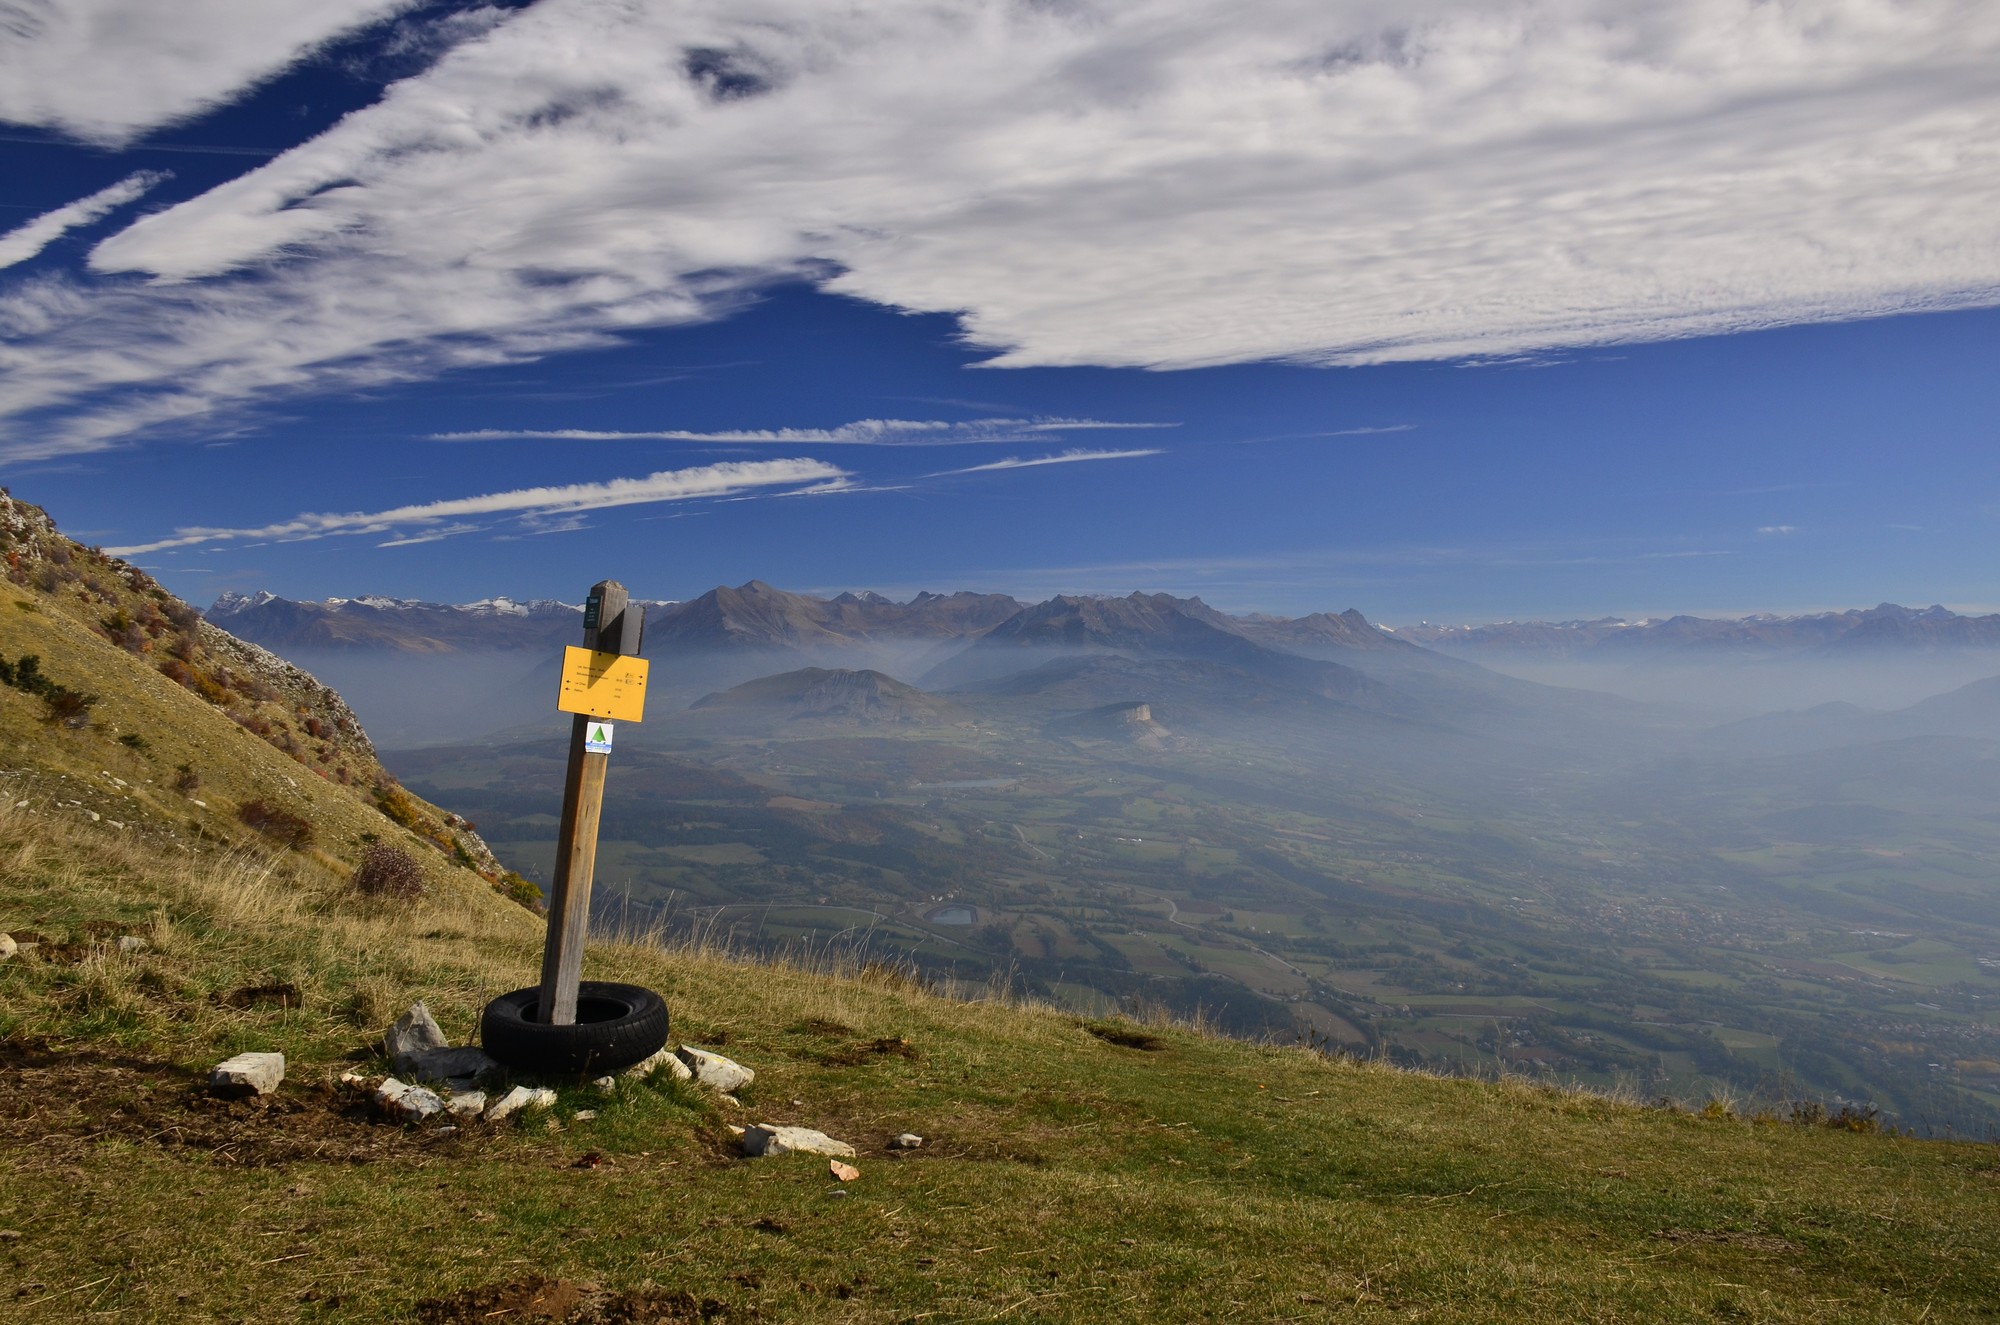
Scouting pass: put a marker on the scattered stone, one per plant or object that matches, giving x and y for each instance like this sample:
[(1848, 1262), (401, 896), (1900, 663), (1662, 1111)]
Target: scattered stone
[(606, 1085), (715, 1071), (248, 1074), (132, 943), (8, 947), (734, 1130), (415, 1032), (361, 1081), (839, 1192), (466, 1104), (467, 1063), (730, 1100), (764, 1139), (907, 1141), (843, 1172), (664, 1058), (410, 1103), (10, 1235), (517, 1099), (584, 1115)]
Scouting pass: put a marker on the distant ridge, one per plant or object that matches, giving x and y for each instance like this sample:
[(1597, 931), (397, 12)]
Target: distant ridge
[(833, 693), (402, 624), (752, 616), (1886, 628)]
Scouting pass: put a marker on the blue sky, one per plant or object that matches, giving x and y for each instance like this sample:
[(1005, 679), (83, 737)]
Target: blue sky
[(1540, 308)]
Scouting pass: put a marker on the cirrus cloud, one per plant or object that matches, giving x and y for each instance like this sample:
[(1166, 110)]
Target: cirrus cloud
[(24, 242), (429, 521), (108, 70), (1070, 457), (1154, 184), (862, 432)]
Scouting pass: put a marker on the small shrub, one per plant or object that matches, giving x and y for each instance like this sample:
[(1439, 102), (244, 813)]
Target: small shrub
[(388, 871), (185, 618), (176, 670), (186, 780), (280, 825), (133, 741), (67, 708), (517, 889), (398, 805)]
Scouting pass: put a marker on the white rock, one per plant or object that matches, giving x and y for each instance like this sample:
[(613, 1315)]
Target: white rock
[(415, 1032), (606, 1085), (907, 1141), (412, 1104), (469, 1104), (764, 1139), (584, 1115), (132, 943), (715, 1071), (517, 1099), (665, 1058), (248, 1074), (8, 947)]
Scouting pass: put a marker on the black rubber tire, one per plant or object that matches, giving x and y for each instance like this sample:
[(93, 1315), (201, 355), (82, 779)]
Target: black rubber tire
[(616, 1026)]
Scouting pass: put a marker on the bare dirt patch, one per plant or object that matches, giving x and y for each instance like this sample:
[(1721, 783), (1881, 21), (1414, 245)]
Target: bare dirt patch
[(867, 1051), (284, 995), (59, 1101), (538, 1298), (1126, 1037), (1769, 1244)]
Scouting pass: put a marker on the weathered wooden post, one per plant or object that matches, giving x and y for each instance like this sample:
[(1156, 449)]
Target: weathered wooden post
[(602, 682)]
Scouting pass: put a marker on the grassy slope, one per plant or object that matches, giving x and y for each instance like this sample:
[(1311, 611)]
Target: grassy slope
[(77, 772), (1066, 1178)]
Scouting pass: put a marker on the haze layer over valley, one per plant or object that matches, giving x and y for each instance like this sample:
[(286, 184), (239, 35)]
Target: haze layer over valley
[(1735, 868)]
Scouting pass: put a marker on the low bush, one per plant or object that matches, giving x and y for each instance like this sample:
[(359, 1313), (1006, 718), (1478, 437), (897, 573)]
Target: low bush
[(70, 708), (280, 825), (388, 871), (398, 806)]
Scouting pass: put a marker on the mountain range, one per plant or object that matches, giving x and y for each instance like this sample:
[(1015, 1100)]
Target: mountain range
[(1884, 629)]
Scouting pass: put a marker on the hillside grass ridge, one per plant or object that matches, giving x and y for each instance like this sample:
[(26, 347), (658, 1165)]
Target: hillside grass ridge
[(1065, 1176)]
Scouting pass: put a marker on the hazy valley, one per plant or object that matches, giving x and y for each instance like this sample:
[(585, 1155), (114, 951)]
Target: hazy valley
[(1308, 828)]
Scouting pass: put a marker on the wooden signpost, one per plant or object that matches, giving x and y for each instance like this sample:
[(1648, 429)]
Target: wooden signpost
[(603, 683)]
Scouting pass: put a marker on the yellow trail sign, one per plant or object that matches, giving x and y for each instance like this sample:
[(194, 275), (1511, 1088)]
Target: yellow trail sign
[(603, 685)]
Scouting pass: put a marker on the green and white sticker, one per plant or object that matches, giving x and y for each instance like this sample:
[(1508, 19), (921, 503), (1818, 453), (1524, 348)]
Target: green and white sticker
[(597, 738)]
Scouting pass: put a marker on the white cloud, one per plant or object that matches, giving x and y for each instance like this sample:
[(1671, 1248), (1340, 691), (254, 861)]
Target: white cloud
[(428, 521), (24, 242), (1156, 183), (862, 432), (108, 70), (1070, 457), (1778, 529)]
